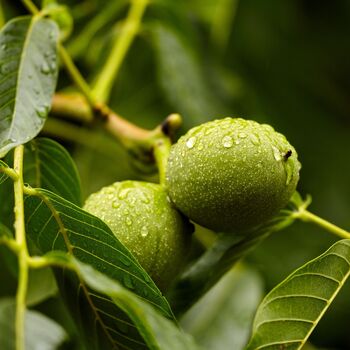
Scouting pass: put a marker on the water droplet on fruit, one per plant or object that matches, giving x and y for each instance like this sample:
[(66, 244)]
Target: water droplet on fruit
[(191, 142), (145, 199), (227, 141), (128, 221), (276, 153), (128, 282), (144, 231), (123, 193), (116, 204), (254, 139), (242, 135), (200, 146)]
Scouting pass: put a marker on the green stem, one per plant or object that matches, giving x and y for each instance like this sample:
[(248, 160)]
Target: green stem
[(9, 172), (30, 6), (121, 46), (67, 61), (306, 216), (161, 154), (76, 75), (22, 252)]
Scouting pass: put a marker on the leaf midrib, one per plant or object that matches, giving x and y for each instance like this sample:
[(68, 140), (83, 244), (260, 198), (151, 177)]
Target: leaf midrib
[(63, 231), (18, 80)]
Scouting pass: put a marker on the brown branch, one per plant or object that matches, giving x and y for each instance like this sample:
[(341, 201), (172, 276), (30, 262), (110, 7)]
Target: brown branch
[(75, 107)]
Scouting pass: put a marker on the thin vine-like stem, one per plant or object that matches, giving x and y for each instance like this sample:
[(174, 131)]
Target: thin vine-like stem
[(76, 76), (161, 154), (30, 6), (22, 249), (120, 48), (9, 172), (307, 216)]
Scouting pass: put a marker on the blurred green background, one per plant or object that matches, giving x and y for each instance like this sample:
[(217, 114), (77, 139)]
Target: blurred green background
[(285, 63)]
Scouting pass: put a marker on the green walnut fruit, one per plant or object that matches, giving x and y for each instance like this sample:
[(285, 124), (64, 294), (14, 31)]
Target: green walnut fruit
[(232, 174), (142, 217)]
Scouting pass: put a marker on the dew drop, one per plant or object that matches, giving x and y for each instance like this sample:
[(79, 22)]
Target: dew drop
[(276, 153), (254, 139), (144, 231), (237, 142), (52, 34), (123, 193), (45, 68), (116, 204), (128, 282), (145, 199), (53, 66), (227, 141), (200, 146), (42, 111), (242, 135), (191, 142), (128, 221)]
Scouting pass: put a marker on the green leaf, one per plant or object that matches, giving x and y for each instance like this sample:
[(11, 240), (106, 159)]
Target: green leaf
[(222, 319), (290, 312), (181, 76), (41, 286), (158, 332), (40, 331), (217, 260), (28, 74), (53, 223), (48, 165)]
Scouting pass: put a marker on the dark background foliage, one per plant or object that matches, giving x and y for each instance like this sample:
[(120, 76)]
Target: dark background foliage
[(285, 63)]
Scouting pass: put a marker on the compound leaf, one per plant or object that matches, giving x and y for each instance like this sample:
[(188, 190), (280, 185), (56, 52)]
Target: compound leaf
[(53, 223), (290, 312), (28, 74)]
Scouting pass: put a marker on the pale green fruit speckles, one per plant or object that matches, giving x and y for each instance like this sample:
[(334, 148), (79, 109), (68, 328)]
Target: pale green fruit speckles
[(232, 174), (143, 219)]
